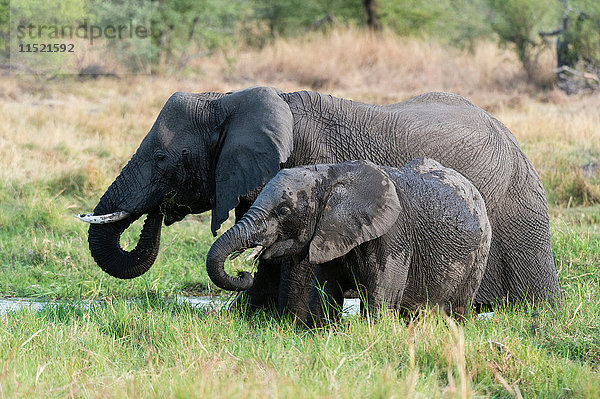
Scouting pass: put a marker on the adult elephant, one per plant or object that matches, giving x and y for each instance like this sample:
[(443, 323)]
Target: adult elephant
[(213, 151)]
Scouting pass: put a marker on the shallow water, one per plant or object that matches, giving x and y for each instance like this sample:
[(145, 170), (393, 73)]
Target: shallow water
[(21, 304), (351, 306), (18, 304)]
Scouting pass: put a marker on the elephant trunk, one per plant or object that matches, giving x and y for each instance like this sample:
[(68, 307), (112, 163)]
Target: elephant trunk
[(239, 237), (104, 242), (111, 218)]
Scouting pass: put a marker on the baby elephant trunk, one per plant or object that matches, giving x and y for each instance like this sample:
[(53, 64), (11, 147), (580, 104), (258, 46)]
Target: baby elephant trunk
[(234, 239)]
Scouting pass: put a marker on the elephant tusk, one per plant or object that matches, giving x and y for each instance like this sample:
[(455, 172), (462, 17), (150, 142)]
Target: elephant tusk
[(102, 219), (255, 252)]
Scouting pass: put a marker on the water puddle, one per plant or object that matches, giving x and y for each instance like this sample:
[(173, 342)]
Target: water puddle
[(19, 304), (351, 306), (22, 304)]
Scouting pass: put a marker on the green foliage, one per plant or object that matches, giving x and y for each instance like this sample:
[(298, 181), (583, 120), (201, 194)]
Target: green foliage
[(465, 22), (408, 17), (48, 11), (135, 50), (583, 33), (457, 22), (518, 23), (28, 19), (4, 30), (186, 29), (211, 24), (182, 29), (293, 17)]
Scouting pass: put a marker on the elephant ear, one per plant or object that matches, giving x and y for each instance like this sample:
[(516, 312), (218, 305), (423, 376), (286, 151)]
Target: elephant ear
[(255, 138), (361, 206)]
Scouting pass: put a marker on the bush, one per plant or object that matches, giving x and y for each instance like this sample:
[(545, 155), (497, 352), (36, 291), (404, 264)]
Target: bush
[(518, 23), (183, 29), (4, 30), (294, 17), (583, 34)]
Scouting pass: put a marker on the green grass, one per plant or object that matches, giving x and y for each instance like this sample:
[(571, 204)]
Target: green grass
[(153, 348), (44, 251)]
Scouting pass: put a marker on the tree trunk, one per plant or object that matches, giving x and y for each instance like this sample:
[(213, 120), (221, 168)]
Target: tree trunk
[(370, 8)]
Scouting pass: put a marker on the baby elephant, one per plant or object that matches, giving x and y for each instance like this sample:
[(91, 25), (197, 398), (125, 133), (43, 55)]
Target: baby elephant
[(403, 237)]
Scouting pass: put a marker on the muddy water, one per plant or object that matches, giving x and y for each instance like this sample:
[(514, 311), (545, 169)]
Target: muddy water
[(351, 306)]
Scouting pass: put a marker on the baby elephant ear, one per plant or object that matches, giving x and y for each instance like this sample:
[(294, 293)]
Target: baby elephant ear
[(362, 205)]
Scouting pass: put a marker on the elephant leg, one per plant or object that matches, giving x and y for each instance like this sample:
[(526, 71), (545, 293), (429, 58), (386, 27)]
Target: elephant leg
[(520, 264), (327, 294), (492, 290), (385, 276), (297, 280), (265, 290), (462, 300)]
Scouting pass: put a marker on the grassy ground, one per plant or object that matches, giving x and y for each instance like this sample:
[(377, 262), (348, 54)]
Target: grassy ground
[(62, 142), (152, 349)]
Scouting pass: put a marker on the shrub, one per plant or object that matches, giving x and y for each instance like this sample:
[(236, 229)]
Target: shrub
[(518, 23)]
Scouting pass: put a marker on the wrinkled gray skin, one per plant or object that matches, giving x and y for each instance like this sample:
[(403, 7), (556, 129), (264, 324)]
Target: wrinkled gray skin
[(211, 151), (405, 237)]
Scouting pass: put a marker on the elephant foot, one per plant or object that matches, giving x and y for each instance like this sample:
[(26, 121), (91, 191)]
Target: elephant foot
[(248, 304), (485, 307), (239, 304), (264, 292), (459, 314)]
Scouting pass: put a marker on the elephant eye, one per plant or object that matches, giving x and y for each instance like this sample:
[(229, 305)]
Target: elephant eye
[(284, 210), (159, 156)]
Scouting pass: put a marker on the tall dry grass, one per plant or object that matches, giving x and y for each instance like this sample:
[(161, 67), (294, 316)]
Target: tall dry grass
[(369, 66)]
